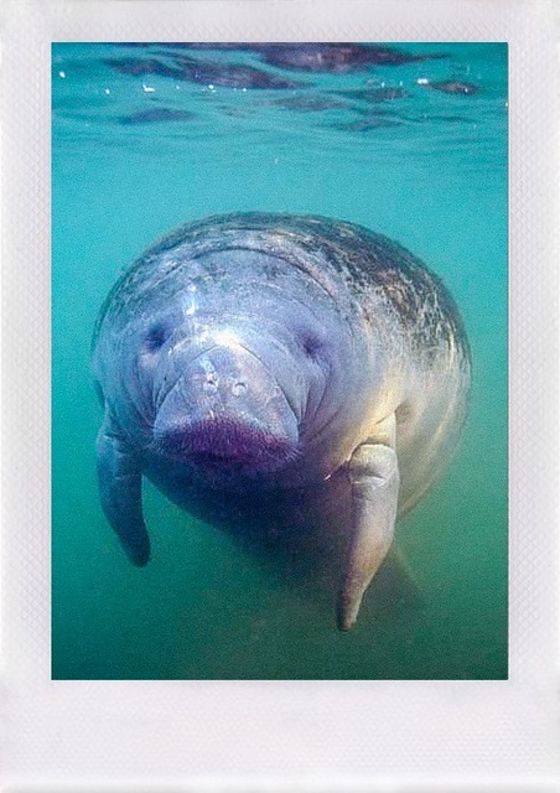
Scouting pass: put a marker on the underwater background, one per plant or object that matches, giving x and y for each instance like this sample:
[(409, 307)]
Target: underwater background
[(409, 140)]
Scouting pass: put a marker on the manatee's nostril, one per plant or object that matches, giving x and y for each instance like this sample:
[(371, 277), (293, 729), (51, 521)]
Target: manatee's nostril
[(211, 382), (239, 388)]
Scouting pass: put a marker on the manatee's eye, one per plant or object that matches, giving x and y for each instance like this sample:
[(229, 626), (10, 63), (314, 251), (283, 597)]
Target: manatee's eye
[(311, 344), (156, 337)]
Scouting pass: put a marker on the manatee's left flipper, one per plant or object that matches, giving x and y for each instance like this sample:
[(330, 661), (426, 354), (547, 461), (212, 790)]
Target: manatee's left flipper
[(120, 490), (374, 482)]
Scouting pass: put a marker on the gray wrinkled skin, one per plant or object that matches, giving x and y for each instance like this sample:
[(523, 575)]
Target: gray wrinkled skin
[(252, 357)]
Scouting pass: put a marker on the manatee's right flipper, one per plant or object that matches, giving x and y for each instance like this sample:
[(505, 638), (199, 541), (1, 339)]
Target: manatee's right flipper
[(120, 490)]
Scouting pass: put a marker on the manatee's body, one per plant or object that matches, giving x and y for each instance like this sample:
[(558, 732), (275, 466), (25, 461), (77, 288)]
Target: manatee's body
[(259, 356)]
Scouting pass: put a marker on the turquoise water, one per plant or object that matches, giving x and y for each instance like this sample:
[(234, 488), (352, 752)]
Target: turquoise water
[(136, 155)]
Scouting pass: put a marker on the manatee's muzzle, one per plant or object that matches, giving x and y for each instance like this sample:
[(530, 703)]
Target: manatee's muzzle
[(226, 413), (223, 442)]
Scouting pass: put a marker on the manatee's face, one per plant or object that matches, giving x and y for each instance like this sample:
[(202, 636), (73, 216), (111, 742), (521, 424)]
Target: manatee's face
[(234, 379)]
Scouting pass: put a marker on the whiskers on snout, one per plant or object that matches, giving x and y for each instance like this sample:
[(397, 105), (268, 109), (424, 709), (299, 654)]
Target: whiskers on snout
[(223, 444)]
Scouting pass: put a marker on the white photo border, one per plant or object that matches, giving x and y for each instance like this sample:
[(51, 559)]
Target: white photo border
[(285, 735)]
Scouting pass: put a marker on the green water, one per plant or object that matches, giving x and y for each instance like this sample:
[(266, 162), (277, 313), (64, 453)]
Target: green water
[(428, 169)]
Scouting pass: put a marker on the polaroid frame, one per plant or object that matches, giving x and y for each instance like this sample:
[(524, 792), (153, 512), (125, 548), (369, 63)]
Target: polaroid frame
[(273, 736)]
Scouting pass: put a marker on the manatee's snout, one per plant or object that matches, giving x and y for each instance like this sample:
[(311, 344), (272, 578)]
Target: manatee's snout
[(223, 441), (226, 412)]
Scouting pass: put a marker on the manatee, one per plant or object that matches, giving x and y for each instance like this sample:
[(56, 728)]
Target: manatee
[(252, 356)]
